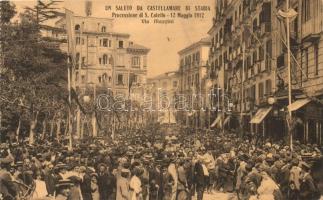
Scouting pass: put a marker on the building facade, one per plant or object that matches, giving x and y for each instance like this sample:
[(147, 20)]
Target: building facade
[(164, 90), (249, 45), (104, 58), (106, 62), (193, 61)]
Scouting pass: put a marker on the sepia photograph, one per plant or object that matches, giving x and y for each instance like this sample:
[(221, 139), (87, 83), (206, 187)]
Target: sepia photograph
[(161, 99)]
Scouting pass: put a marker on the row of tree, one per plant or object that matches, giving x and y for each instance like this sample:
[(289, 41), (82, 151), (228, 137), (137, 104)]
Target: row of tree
[(33, 83)]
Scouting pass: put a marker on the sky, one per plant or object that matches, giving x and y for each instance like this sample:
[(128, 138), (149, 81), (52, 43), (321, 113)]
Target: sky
[(164, 40)]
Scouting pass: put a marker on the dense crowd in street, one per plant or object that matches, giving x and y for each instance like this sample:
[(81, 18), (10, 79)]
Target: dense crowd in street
[(149, 165)]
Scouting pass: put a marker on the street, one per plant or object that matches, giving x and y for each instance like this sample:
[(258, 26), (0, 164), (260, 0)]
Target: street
[(219, 195)]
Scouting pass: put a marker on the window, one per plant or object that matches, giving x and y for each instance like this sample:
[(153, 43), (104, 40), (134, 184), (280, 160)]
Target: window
[(83, 78), (77, 76), (164, 85), (78, 40), (306, 62), (133, 78), (316, 58), (198, 57), (197, 79), (100, 79), (103, 29), (83, 60), (77, 27), (120, 79), (120, 44), (261, 53), (83, 41), (105, 42), (254, 56), (104, 77), (192, 80), (174, 84), (253, 92), (306, 14), (268, 87), (100, 61), (105, 59), (135, 61), (77, 58), (225, 57)]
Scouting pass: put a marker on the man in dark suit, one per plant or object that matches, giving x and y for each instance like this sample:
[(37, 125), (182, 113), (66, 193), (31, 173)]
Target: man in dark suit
[(199, 179), (86, 184), (106, 183)]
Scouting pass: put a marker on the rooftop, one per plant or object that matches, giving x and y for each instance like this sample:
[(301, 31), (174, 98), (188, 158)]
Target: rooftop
[(164, 75), (204, 41)]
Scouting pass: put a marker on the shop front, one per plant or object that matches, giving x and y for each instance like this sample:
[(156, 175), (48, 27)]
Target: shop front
[(308, 117)]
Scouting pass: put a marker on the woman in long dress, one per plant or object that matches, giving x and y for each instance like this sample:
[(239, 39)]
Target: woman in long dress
[(94, 187), (40, 189), (135, 185)]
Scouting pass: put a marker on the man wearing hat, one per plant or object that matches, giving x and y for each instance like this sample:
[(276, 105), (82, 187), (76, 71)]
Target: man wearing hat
[(7, 189), (63, 189), (123, 185), (200, 178), (106, 182), (308, 189)]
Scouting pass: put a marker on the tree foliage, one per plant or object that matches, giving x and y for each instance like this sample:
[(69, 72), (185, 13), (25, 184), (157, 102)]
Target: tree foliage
[(34, 76)]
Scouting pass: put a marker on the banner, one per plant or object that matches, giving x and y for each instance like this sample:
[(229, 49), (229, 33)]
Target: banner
[(70, 34)]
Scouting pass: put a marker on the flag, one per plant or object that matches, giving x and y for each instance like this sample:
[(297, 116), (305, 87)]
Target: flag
[(70, 34), (221, 78)]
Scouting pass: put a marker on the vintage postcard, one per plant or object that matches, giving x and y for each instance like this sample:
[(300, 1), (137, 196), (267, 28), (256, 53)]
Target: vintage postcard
[(161, 99)]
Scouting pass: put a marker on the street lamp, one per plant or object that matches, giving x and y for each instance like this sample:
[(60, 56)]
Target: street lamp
[(271, 100)]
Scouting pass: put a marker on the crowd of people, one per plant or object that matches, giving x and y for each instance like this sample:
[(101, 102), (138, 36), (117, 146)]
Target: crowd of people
[(157, 165)]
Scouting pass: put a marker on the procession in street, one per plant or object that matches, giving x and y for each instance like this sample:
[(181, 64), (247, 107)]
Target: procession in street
[(84, 114)]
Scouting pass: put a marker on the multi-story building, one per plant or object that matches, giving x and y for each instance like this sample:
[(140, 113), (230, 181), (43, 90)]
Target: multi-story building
[(249, 44), (105, 62), (193, 66), (306, 69), (104, 58), (164, 90)]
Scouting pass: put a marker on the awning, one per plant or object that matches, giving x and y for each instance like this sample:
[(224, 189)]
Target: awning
[(260, 115), (298, 104), (216, 121)]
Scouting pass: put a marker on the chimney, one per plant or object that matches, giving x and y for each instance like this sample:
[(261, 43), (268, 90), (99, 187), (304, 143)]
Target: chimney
[(88, 8)]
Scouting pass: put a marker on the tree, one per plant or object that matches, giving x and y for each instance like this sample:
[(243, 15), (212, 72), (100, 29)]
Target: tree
[(34, 78), (7, 11)]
